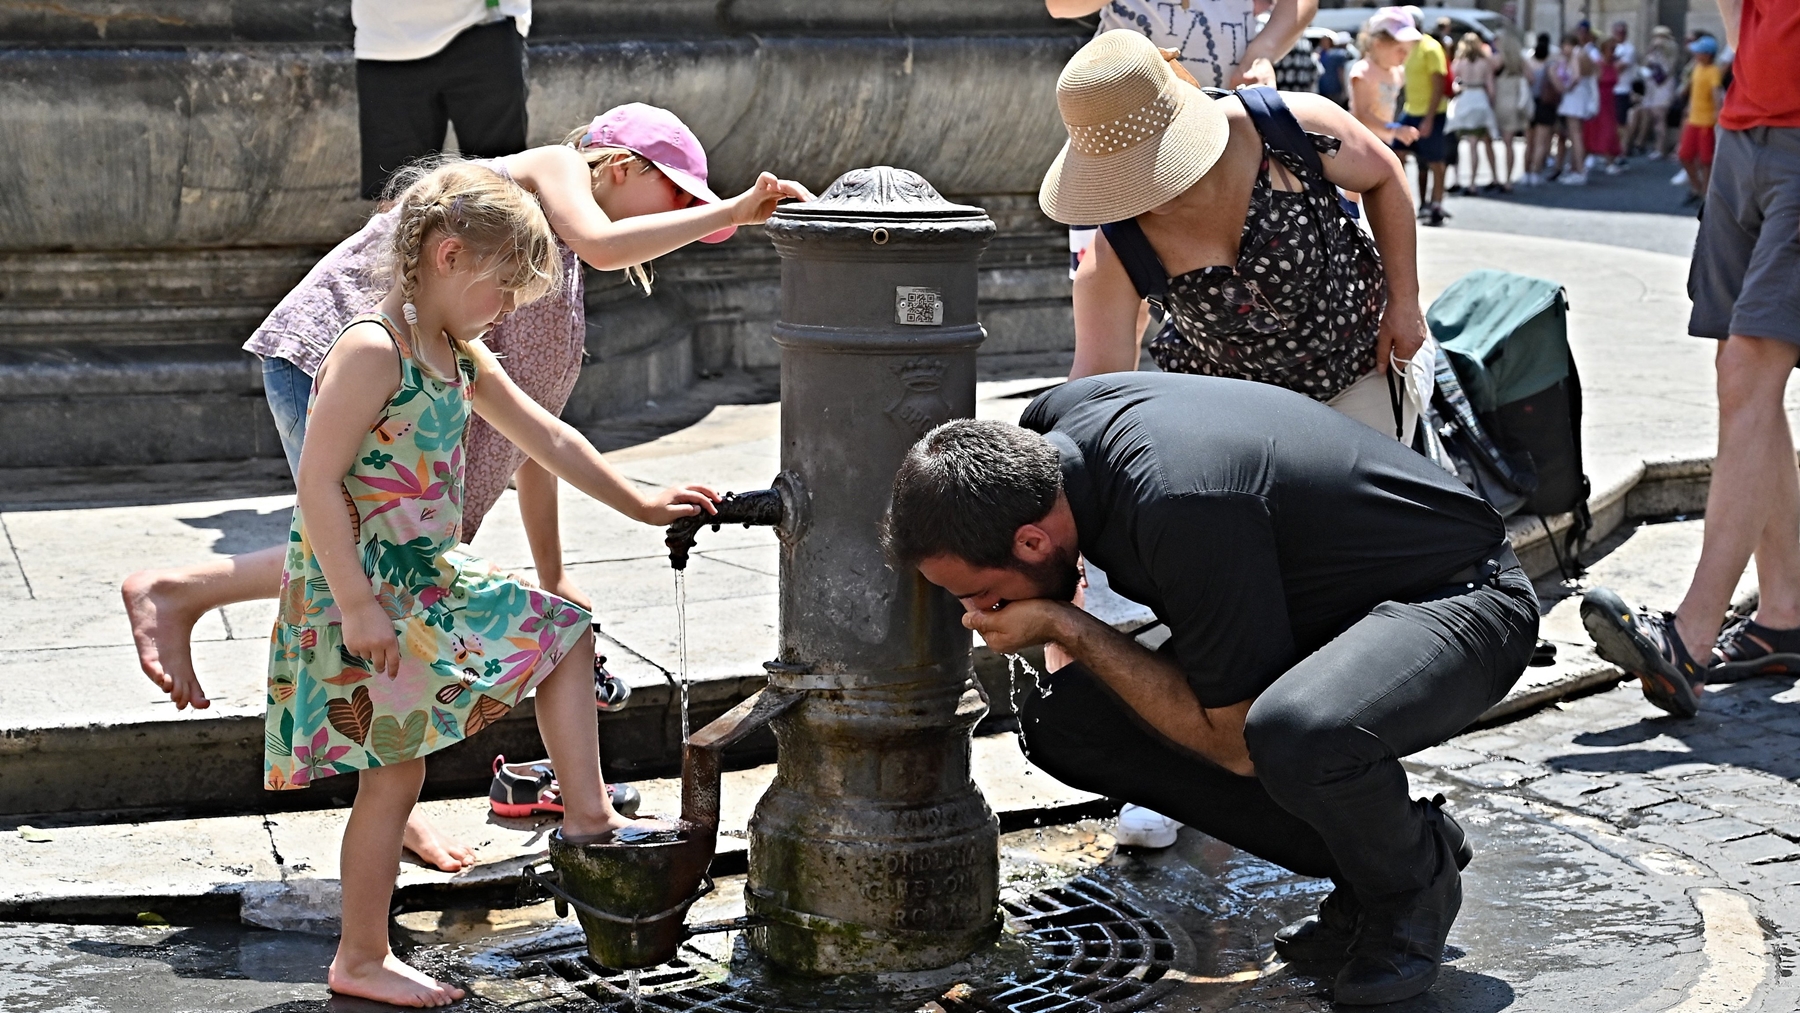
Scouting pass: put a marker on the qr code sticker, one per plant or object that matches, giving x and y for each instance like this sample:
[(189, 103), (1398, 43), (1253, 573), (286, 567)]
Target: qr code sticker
[(920, 307)]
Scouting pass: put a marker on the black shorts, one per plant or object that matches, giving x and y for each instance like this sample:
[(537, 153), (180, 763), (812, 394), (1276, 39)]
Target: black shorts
[(1543, 114), (1430, 150), (404, 106), (1622, 103)]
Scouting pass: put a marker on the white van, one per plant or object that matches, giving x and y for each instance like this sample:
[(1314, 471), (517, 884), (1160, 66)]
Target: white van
[(1462, 19)]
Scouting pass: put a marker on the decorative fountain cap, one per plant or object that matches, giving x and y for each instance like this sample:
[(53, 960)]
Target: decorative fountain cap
[(881, 196)]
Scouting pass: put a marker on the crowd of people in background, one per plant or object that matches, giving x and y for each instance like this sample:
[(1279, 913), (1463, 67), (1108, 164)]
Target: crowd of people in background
[(1529, 111)]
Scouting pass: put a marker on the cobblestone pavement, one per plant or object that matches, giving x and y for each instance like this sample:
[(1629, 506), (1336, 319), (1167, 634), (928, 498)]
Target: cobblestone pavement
[(1625, 861)]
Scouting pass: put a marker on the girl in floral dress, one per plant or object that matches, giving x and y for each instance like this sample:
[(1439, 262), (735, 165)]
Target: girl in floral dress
[(619, 192), (392, 642)]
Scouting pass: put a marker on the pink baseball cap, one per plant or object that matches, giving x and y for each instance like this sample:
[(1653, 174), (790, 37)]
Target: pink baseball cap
[(1396, 22), (660, 136)]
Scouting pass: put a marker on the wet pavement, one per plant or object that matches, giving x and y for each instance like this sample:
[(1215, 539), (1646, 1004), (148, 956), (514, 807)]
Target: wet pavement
[(1625, 861)]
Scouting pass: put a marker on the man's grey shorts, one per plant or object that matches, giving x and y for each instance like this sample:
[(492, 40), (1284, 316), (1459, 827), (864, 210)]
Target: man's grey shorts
[(1745, 276)]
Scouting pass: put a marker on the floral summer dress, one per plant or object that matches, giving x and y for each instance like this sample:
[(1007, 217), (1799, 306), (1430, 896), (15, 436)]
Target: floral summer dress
[(474, 639)]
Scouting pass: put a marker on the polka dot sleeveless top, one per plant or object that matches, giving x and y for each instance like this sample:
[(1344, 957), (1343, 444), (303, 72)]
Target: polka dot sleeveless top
[(1299, 309)]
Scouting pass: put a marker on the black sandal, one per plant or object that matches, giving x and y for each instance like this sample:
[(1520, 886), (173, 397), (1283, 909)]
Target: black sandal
[(1644, 643), (1749, 649)]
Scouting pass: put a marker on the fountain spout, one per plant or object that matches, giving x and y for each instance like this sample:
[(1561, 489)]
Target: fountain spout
[(632, 896), (702, 757), (759, 507)]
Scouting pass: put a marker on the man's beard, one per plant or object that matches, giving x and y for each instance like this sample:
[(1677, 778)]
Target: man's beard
[(1056, 578)]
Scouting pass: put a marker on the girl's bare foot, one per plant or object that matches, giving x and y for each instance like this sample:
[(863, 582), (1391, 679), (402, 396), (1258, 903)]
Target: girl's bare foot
[(389, 980), (433, 847), (577, 831), (161, 623)]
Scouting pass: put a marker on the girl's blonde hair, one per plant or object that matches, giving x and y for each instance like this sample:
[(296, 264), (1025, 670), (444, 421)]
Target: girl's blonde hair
[(499, 222), (1512, 54), (1468, 47), (604, 157)]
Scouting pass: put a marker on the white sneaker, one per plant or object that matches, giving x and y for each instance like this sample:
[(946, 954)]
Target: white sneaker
[(1144, 828), (1573, 179), (1654, 156), (1679, 179), (1614, 169)]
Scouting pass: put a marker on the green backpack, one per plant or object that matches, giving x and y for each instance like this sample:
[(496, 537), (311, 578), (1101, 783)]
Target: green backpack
[(1506, 338)]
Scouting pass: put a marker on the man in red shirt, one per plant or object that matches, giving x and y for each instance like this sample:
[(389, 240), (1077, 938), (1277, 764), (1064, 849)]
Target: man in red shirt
[(1745, 283)]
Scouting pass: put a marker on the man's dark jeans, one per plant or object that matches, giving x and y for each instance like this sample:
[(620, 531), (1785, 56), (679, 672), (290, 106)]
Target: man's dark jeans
[(1329, 797)]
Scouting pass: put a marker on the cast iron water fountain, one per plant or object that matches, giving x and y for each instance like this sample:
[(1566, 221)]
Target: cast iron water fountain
[(872, 850)]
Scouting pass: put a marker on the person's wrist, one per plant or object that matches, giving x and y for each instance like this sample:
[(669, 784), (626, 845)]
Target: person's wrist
[(1068, 624)]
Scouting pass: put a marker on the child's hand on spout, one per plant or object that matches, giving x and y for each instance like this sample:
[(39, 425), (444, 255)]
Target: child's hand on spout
[(676, 502)]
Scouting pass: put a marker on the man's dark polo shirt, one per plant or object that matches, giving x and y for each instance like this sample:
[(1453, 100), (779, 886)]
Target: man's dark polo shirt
[(1256, 522)]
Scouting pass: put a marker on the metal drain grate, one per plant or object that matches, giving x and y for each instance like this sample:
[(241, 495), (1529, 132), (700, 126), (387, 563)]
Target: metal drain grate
[(1096, 952), (1093, 951)]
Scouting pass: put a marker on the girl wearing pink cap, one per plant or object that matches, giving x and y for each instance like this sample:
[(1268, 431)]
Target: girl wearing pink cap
[(621, 191)]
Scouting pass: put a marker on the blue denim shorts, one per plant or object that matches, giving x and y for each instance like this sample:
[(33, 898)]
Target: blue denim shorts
[(288, 389)]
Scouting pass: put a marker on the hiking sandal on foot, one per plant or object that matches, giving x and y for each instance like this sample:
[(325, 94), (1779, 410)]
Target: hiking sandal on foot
[(1643, 642), (524, 790), (1747, 649)]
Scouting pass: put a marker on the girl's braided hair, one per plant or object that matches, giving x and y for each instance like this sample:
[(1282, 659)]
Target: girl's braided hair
[(497, 220)]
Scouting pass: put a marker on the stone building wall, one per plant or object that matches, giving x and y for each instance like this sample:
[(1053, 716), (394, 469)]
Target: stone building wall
[(174, 166)]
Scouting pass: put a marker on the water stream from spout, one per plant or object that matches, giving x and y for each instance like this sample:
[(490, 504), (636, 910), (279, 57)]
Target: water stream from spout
[(634, 991), (682, 647), (1014, 662)]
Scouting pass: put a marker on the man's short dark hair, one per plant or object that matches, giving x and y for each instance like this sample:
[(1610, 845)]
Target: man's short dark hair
[(965, 489)]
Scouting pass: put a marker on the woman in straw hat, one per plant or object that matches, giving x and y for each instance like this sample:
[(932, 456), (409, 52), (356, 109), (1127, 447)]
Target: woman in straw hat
[(1267, 278)]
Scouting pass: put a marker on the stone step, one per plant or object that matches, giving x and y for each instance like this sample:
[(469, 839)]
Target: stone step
[(281, 870)]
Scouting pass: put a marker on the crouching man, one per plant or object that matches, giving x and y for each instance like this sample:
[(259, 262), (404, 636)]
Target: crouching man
[(1335, 602)]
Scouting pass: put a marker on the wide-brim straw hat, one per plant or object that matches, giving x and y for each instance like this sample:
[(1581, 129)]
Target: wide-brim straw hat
[(1138, 135)]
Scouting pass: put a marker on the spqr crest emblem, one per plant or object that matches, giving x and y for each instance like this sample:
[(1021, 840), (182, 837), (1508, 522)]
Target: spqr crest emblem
[(921, 405)]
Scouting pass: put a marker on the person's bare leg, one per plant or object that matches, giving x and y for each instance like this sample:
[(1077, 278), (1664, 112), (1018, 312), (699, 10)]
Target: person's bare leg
[(365, 964), (164, 605), (565, 717), (1754, 501), (1438, 170), (538, 509), (1577, 146)]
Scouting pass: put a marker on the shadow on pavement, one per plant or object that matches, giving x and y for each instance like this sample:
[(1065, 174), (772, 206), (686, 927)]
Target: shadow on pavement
[(1733, 728), (244, 530), (228, 952)]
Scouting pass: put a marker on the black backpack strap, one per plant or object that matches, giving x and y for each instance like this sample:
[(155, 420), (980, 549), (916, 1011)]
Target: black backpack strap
[(1140, 261), (1278, 127)]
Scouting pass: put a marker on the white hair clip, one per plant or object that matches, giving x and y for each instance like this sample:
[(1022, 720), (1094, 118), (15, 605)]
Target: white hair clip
[(411, 313)]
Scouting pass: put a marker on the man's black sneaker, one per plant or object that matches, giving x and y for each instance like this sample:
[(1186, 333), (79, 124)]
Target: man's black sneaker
[(1450, 830), (1643, 642), (1328, 934), (1400, 944), (1323, 936)]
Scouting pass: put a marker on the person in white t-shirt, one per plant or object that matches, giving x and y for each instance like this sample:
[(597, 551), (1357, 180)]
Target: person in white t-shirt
[(1625, 59), (422, 65)]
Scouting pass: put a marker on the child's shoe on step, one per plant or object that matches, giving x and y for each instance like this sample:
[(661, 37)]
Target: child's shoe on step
[(523, 790)]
